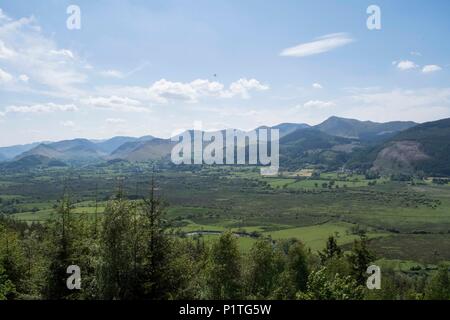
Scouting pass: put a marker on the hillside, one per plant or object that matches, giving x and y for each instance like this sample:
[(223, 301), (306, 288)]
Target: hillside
[(333, 144), (363, 130), (155, 149), (7, 153), (110, 145), (423, 148), (311, 146), (68, 150), (287, 128), (43, 150), (31, 162)]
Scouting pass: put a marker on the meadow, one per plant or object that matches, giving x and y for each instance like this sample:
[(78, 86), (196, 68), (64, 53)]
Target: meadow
[(405, 221)]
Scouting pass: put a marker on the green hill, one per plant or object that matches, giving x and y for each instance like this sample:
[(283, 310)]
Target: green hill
[(423, 148)]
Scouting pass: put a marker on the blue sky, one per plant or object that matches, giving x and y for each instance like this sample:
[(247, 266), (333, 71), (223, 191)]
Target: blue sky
[(155, 67)]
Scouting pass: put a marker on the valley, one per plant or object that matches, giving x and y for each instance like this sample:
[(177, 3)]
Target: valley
[(391, 189), (219, 198)]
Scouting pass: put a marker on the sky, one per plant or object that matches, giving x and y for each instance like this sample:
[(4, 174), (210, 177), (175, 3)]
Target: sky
[(138, 67)]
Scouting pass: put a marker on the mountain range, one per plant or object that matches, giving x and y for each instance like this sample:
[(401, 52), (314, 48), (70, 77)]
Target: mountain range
[(387, 148)]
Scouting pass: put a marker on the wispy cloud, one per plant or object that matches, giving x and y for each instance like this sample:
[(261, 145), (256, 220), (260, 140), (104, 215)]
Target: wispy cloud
[(405, 65), (319, 45), (5, 76), (68, 124), (115, 121), (41, 108), (24, 48), (430, 68), (112, 74), (115, 103), (318, 104), (5, 52), (420, 105)]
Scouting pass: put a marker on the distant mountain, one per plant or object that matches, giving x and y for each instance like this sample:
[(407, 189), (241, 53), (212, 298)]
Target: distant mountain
[(363, 130), (68, 150), (389, 148), (112, 144), (287, 128), (7, 153), (155, 149), (311, 146), (42, 150), (423, 148), (31, 162)]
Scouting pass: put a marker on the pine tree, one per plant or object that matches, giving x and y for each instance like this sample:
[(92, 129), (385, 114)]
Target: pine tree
[(62, 250), (360, 259), (12, 263), (332, 250), (439, 286)]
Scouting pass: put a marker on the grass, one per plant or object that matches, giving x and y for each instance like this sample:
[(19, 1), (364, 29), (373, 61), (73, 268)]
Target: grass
[(222, 198), (315, 237), (423, 248)]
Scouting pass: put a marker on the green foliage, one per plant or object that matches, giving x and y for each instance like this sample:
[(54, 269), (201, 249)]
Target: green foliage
[(360, 259), (7, 288), (63, 241), (297, 265), (263, 267), (439, 286), (117, 244), (12, 264), (337, 287), (331, 251), (128, 251), (223, 272)]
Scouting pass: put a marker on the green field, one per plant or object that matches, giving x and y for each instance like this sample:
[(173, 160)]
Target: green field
[(404, 221)]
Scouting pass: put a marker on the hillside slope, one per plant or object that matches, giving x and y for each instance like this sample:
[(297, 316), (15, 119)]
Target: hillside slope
[(423, 148), (363, 130)]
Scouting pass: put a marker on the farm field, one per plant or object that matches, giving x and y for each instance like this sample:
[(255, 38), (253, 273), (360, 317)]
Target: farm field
[(404, 221)]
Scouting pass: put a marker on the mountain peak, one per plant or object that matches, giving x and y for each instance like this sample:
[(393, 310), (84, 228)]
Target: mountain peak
[(363, 130)]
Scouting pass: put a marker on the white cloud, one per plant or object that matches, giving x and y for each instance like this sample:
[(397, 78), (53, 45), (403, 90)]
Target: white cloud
[(116, 103), (165, 91), (5, 52), (317, 86), (24, 78), (3, 16), (42, 108), (319, 45), (5, 76), (417, 105), (431, 68), (25, 49), (405, 65), (68, 124), (416, 53), (242, 88), (115, 121), (112, 74), (63, 52), (319, 104)]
